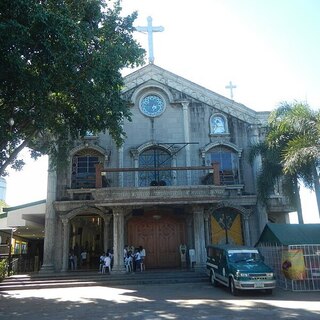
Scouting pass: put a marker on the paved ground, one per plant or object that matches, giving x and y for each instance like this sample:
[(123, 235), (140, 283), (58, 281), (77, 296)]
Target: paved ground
[(163, 302)]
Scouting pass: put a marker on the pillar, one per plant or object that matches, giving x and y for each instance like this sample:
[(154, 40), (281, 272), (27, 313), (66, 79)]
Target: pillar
[(247, 240), (135, 155), (199, 237), (120, 155), (174, 172), (65, 245), (254, 139), (118, 239), (185, 105), (106, 244), (206, 228), (50, 223)]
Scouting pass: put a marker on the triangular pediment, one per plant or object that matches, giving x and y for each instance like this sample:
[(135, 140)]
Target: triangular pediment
[(152, 73)]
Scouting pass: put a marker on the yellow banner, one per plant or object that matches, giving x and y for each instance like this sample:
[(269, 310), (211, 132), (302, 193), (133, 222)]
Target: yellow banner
[(231, 230), (293, 266)]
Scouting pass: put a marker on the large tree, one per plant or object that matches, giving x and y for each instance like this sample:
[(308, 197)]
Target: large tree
[(60, 73)]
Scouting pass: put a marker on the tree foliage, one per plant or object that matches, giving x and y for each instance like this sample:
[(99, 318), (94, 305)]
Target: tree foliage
[(60, 63), (271, 173), (296, 127), (290, 152)]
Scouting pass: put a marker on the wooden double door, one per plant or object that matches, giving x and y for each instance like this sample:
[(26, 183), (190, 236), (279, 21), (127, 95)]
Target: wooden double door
[(160, 235)]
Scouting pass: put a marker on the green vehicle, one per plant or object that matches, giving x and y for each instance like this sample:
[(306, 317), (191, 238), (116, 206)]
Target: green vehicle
[(239, 268)]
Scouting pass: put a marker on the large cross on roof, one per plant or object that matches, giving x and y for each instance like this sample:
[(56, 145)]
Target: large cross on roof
[(150, 29)]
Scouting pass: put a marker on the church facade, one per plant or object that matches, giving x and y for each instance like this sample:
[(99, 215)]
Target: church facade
[(180, 181)]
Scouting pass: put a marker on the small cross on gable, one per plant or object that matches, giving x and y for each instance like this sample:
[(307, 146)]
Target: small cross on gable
[(150, 29), (231, 87)]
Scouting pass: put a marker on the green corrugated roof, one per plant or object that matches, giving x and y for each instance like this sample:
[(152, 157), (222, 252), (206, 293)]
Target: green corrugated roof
[(290, 234)]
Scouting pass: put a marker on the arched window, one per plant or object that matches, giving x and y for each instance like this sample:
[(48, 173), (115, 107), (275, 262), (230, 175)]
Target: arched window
[(228, 161), (84, 169), (154, 158)]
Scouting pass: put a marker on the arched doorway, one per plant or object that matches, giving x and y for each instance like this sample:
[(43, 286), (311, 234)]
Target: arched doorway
[(161, 235), (86, 235)]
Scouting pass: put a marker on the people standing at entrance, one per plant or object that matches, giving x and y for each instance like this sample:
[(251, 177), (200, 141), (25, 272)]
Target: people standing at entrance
[(107, 264), (84, 257), (101, 261), (111, 255), (128, 262), (143, 256), (137, 259), (72, 261), (75, 259), (125, 252), (77, 254)]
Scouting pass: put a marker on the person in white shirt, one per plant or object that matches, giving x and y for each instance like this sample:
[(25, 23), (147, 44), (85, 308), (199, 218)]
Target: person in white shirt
[(128, 262), (84, 257), (137, 259), (101, 262), (107, 264), (143, 256)]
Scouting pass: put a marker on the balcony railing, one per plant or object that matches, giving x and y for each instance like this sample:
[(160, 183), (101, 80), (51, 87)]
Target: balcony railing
[(154, 176), (174, 184)]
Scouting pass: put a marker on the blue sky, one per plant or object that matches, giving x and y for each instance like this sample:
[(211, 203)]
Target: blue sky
[(269, 49)]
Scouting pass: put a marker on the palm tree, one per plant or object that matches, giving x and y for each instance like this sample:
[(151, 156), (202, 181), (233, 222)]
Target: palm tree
[(272, 173), (297, 127)]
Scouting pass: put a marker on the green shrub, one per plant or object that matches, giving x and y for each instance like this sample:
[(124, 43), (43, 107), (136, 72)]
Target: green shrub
[(3, 268)]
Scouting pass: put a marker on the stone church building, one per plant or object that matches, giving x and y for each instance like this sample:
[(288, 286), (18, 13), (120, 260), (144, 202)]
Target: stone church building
[(180, 181)]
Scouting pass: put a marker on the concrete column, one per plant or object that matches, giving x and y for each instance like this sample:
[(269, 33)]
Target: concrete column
[(239, 168), (185, 105), (206, 228), (120, 155), (190, 236), (50, 223), (247, 240), (65, 247), (135, 156), (118, 239), (106, 244), (254, 139), (174, 172), (199, 237)]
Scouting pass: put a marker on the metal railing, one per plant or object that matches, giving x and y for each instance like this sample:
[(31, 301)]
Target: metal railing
[(155, 176), (21, 264)]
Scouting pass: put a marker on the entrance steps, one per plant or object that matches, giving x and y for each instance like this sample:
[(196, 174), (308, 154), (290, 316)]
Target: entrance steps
[(90, 278)]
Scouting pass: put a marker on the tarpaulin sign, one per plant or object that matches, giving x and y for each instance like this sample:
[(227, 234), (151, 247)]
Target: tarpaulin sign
[(293, 266)]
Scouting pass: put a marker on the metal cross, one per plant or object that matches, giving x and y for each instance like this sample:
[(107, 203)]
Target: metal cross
[(150, 29), (231, 87)]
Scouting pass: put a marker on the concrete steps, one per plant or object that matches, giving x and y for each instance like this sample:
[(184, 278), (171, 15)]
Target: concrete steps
[(89, 278)]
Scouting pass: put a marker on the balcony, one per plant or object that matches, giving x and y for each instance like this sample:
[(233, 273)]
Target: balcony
[(159, 186)]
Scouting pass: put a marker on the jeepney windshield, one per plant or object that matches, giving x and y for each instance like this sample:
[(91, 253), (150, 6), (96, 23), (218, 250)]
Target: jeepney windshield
[(236, 256)]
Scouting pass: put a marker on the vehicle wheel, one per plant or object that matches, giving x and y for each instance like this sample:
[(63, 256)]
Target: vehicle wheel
[(232, 288), (213, 280)]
